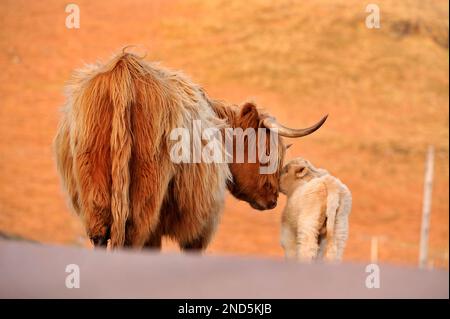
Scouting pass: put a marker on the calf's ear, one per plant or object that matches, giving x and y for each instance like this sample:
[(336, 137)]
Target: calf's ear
[(301, 171)]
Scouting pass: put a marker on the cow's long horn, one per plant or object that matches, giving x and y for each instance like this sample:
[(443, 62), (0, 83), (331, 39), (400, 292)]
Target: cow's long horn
[(271, 123)]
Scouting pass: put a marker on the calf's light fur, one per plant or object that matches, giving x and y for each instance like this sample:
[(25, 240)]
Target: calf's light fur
[(315, 220)]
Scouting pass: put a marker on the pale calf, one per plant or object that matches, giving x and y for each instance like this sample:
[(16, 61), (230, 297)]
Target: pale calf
[(315, 220)]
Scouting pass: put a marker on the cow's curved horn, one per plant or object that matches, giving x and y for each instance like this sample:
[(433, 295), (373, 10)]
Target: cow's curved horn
[(271, 123)]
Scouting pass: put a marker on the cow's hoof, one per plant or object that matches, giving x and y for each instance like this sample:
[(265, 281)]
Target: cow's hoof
[(101, 240)]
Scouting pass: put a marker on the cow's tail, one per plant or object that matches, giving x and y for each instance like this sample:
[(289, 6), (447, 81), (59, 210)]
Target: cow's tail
[(122, 95)]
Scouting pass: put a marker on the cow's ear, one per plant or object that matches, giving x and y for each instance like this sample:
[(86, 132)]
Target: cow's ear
[(249, 116)]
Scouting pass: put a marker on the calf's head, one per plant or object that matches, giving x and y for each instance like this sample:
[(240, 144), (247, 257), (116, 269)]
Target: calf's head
[(256, 178), (296, 173)]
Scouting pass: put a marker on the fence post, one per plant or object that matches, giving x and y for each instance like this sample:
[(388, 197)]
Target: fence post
[(426, 208)]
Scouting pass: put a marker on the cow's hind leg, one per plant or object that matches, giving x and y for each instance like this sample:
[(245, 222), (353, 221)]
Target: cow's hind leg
[(97, 222), (102, 239), (149, 185), (91, 133), (92, 170), (154, 241)]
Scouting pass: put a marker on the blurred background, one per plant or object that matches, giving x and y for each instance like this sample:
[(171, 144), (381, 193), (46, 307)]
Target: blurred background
[(386, 91)]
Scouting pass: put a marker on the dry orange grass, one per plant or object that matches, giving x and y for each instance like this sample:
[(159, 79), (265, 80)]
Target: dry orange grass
[(386, 91)]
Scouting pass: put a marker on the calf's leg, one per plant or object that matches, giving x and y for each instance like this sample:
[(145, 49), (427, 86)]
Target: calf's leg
[(310, 220), (288, 241)]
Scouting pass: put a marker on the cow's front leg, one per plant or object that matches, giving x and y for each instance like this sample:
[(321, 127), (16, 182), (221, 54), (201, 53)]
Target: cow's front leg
[(195, 245), (201, 241)]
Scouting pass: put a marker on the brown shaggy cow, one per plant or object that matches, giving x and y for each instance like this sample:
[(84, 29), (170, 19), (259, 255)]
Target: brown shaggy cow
[(112, 152)]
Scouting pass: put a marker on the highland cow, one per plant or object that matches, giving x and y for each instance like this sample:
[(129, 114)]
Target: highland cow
[(112, 151)]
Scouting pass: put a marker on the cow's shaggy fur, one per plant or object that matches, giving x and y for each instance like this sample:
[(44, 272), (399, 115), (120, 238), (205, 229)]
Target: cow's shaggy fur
[(112, 152), (315, 220)]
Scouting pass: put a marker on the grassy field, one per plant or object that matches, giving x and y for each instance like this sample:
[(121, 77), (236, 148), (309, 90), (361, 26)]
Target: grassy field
[(386, 91)]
